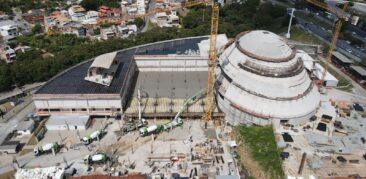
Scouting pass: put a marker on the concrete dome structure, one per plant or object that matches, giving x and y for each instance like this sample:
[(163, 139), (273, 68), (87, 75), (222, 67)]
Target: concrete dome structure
[(263, 79)]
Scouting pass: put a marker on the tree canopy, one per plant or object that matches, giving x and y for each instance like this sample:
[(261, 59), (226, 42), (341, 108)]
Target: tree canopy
[(94, 4), (64, 51)]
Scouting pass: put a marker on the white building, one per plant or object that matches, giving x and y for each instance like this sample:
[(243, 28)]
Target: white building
[(76, 13), (91, 17), (162, 19), (7, 53), (8, 30), (317, 70), (109, 32), (127, 30), (72, 122), (263, 80)]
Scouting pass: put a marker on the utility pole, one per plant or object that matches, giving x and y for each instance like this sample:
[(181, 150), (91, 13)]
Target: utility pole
[(152, 143), (289, 25)]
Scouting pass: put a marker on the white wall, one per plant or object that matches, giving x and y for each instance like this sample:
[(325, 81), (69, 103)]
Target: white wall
[(64, 127), (42, 104), (171, 63)]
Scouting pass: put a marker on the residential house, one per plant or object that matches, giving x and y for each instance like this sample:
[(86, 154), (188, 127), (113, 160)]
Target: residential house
[(56, 20), (8, 30), (34, 16), (126, 30), (76, 13), (7, 53), (3, 16), (109, 32), (91, 17), (105, 11), (74, 28)]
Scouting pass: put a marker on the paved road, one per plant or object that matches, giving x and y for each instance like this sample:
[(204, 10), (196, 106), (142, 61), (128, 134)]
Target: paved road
[(327, 36), (29, 160), (357, 6), (6, 128), (147, 18), (357, 32)]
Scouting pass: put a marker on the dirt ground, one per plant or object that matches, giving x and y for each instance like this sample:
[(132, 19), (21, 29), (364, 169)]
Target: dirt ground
[(7, 175)]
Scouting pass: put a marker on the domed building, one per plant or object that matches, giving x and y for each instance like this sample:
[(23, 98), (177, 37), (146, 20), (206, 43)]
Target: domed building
[(262, 79)]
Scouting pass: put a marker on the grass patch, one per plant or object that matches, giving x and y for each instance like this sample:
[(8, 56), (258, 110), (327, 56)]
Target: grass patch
[(298, 34), (151, 26), (263, 148), (343, 83)]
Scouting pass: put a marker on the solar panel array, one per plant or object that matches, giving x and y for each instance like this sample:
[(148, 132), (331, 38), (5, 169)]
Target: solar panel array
[(73, 82)]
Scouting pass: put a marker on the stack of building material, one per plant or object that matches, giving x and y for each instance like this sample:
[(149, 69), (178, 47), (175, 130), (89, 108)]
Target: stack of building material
[(40, 173)]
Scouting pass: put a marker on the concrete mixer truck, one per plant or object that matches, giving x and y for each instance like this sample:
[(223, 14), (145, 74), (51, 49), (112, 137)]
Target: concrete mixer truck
[(47, 148), (96, 135), (154, 129), (99, 158)]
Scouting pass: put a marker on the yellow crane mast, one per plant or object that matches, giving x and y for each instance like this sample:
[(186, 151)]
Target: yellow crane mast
[(341, 18), (209, 101)]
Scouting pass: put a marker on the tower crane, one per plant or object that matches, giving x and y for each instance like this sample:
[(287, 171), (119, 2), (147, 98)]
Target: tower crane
[(341, 18)]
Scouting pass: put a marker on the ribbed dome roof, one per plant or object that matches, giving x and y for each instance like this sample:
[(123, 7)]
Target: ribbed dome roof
[(264, 45)]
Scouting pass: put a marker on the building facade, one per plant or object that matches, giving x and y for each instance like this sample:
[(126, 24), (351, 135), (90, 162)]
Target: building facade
[(262, 80)]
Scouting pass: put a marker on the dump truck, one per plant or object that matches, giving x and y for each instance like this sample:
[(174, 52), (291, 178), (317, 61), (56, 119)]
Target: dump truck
[(47, 148), (96, 135), (99, 158)]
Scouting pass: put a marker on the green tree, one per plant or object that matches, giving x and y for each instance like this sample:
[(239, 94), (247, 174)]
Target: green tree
[(5, 76), (29, 55), (90, 4), (37, 29), (138, 22)]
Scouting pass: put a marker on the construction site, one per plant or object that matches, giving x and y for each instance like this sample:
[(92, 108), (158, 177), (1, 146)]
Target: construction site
[(168, 110), (152, 123)]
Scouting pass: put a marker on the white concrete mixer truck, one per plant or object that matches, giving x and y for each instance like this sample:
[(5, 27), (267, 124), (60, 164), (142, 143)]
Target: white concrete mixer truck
[(47, 148)]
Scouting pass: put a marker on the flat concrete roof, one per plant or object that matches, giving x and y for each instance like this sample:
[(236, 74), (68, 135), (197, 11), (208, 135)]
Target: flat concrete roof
[(69, 120), (359, 70), (171, 84), (104, 61), (341, 57), (25, 125)]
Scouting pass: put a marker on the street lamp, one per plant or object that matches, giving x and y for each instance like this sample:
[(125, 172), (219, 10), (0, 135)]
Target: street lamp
[(289, 25)]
